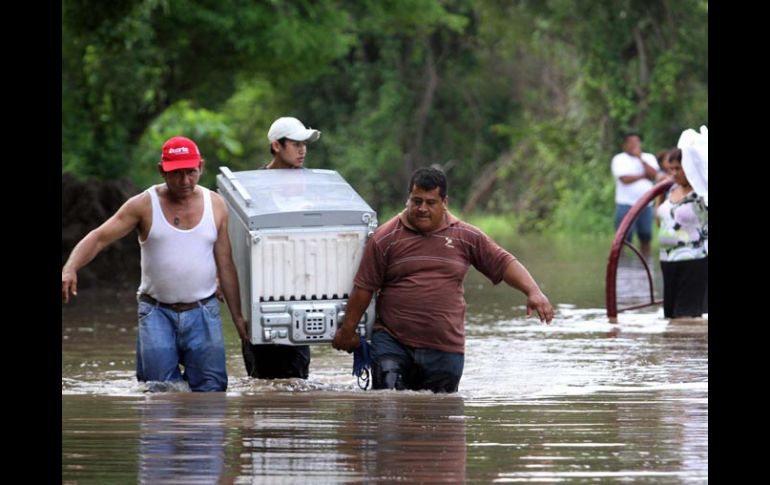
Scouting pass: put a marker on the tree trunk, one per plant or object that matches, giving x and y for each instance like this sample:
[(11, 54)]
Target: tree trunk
[(421, 115), (486, 181)]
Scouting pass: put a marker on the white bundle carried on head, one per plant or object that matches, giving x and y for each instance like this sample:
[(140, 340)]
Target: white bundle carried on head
[(695, 160)]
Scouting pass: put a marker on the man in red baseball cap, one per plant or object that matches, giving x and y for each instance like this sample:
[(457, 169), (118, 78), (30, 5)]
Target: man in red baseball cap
[(180, 152), (182, 229)]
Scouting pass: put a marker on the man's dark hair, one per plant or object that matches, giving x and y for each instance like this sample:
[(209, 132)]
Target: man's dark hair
[(428, 178), (629, 134), (282, 141), (675, 155)]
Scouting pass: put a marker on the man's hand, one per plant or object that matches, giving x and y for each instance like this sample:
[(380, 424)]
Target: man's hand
[(69, 283), (650, 171), (346, 339), (241, 325), (539, 302), (517, 276)]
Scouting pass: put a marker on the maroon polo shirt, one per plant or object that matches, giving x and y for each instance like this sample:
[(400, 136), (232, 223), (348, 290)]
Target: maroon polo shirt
[(420, 279)]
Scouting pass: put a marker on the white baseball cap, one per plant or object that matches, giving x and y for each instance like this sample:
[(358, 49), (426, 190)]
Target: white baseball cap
[(291, 128)]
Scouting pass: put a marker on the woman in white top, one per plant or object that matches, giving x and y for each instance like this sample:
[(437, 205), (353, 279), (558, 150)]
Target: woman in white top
[(683, 239)]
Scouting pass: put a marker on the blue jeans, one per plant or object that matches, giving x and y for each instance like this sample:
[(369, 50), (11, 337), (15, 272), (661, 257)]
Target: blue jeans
[(642, 225), (399, 366), (192, 338)]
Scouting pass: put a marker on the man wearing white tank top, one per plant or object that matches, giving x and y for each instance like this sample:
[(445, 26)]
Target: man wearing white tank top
[(182, 229)]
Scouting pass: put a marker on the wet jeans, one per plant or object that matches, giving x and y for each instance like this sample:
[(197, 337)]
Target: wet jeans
[(192, 339), (399, 366)]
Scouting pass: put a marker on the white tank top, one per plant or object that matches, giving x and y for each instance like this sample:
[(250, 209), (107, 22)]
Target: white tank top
[(178, 264)]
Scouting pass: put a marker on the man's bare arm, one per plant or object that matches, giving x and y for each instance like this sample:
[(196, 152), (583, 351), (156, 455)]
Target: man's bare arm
[(125, 220), (516, 275), (228, 277), (650, 172)]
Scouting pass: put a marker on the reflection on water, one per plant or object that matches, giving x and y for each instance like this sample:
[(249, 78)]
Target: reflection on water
[(182, 438), (384, 437), (579, 401), (633, 280), (377, 437)]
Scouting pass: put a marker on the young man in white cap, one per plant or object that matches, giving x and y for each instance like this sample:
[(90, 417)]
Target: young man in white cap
[(182, 229), (288, 143)]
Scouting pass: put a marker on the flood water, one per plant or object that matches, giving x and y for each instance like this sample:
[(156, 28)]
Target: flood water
[(580, 401)]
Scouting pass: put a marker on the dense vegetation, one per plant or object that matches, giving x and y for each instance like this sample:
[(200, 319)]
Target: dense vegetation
[(521, 102)]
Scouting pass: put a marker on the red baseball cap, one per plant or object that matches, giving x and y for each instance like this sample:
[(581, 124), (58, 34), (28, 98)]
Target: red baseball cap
[(178, 153)]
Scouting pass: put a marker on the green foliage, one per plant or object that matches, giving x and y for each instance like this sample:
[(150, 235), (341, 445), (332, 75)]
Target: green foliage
[(208, 129), (249, 112), (125, 63), (497, 226), (542, 89)]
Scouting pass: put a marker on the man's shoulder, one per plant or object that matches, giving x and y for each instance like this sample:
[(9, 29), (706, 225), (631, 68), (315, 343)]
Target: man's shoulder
[(624, 164), (216, 198), (649, 157), (217, 204), (464, 228), (141, 199), (620, 157), (139, 206), (386, 233), (386, 228)]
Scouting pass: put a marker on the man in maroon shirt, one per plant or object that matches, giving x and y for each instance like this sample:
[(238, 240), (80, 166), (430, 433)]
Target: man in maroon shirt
[(417, 262)]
